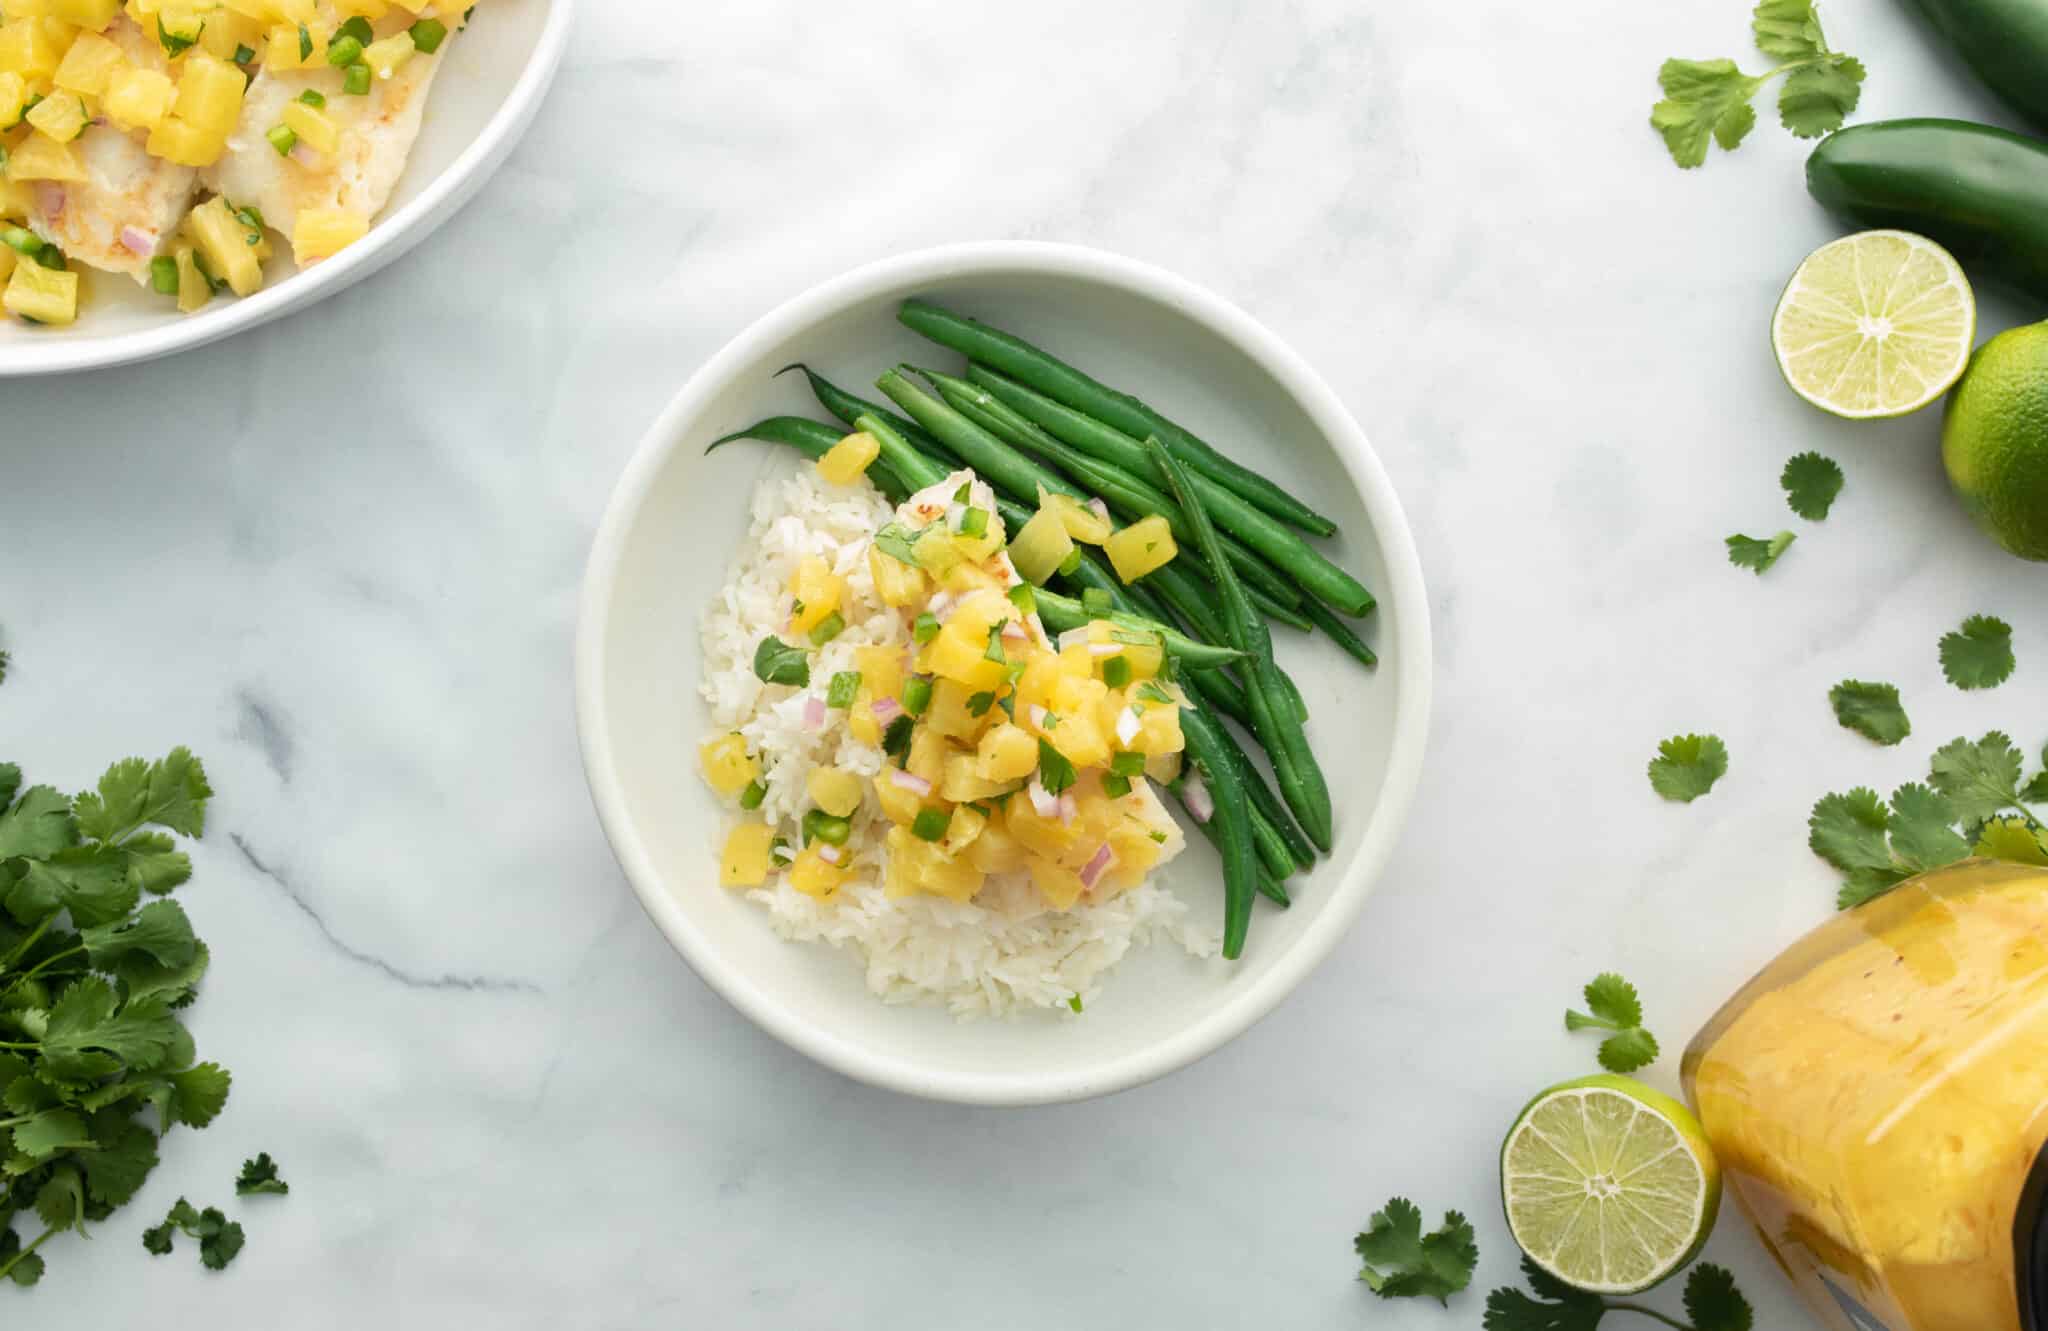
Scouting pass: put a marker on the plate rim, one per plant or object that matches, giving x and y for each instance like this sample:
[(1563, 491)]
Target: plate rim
[(1411, 657), (387, 240)]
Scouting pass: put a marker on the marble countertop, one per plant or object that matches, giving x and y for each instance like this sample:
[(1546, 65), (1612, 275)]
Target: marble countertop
[(339, 557)]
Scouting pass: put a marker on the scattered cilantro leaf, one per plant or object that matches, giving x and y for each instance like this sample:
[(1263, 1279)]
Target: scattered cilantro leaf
[(1709, 100), (1401, 1262), (220, 1238), (1811, 483), (1687, 766), (1614, 1006), (1758, 555), (1980, 779), (898, 542), (776, 662), (1871, 710), (1055, 773), (1979, 654), (260, 1176), (1711, 1300)]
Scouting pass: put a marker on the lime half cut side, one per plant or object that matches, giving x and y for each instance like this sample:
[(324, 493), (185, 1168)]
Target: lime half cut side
[(1608, 1185), (1875, 324)]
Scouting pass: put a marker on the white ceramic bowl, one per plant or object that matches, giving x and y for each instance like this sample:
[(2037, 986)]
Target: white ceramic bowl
[(677, 515), (484, 97)]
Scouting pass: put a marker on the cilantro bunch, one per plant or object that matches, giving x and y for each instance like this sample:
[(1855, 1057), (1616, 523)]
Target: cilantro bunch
[(1976, 801), (1709, 101), (95, 961), (1711, 1300)]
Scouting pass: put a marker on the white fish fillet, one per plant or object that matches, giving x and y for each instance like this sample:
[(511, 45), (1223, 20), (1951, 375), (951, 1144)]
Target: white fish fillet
[(377, 134), (126, 192)]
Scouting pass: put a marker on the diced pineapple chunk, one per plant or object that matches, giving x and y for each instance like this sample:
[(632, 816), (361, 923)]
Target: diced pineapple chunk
[(977, 549), (13, 98), (962, 831), (29, 49), (899, 803), (1083, 523), (1158, 730), (1140, 548), (292, 46), (1040, 546), (728, 767), (61, 116), (963, 783), (320, 232), (1060, 886), (93, 14), (1130, 840), (8, 258), (995, 850), (46, 295), (227, 244), (1046, 836), (847, 461), (960, 655), (817, 590), (881, 670), (383, 57), (964, 577), (952, 711), (260, 11), (896, 582), (137, 98), (40, 157), (936, 551), (748, 856), (927, 757), (834, 791), (86, 66), (193, 288), (313, 126), (369, 9), (227, 32), (209, 93), (1007, 753), (861, 722), (922, 866), (174, 140), (814, 875)]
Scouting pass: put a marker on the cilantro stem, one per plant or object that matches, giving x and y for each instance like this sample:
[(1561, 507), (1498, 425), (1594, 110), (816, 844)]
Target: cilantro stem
[(50, 961), (20, 949), (1651, 1313), (15, 1260)]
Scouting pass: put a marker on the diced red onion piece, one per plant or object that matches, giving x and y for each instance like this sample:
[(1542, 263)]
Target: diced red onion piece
[(1195, 794), (1105, 648), (829, 853), (139, 241), (303, 154), (1103, 859), (1099, 509), (911, 782), (1014, 630), (1072, 636), (940, 603), (814, 712), (50, 198), (886, 709), (1043, 802), (1127, 726)]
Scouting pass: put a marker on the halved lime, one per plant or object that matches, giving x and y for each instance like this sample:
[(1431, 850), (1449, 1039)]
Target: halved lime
[(1875, 324), (1608, 1185)]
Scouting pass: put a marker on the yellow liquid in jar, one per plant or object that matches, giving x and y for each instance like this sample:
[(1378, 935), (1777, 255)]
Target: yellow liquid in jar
[(1879, 1096)]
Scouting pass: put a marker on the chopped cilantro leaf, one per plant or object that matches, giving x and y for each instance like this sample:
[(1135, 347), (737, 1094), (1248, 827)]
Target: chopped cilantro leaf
[(1811, 483), (1758, 555), (776, 662), (898, 542), (1614, 1007), (1979, 654), (1871, 710), (1401, 1262), (260, 1176), (1687, 766), (1055, 773)]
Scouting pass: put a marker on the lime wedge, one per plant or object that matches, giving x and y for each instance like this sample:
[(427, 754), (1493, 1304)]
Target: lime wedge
[(1608, 1185), (1875, 324)]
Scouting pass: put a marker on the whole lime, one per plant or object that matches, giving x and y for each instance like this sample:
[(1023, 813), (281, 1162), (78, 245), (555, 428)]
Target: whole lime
[(1994, 439)]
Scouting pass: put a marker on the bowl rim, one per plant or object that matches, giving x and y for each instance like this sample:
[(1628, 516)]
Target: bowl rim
[(387, 239), (1410, 660)]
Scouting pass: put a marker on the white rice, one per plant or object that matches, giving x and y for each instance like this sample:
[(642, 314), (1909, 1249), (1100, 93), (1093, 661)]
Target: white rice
[(1006, 950)]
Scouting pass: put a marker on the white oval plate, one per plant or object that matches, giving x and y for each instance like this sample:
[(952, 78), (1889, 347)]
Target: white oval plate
[(485, 96), (677, 515)]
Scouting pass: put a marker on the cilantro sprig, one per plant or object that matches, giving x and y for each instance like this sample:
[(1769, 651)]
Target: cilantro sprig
[(1401, 1262), (1687, 766), (1711, 1300), (95, 962), (1979, 654), (1756, 553), (220, 1238), (1973, 802), (1811, 483), (1871, 710), (260, 1176), (1709, 101), (1615, 1007)]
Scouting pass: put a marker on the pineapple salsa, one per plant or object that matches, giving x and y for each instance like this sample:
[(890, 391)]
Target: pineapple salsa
[(982, 749), (292, 116)]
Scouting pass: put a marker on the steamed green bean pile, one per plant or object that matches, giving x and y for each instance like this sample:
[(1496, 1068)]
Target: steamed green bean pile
[(1033, 427)]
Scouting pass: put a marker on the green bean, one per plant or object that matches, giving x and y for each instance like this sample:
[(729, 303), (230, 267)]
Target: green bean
[(814, 439), (1055, 378), (1124, 491), (850, 408), (1340, 633), (918, 471), (997, 463), (1274, 718), (1229, 510), (1061, 613), (1230, 823), (1271, 885)]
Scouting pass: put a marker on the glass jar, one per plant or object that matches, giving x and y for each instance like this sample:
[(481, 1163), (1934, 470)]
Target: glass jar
[(1878, 1097)]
